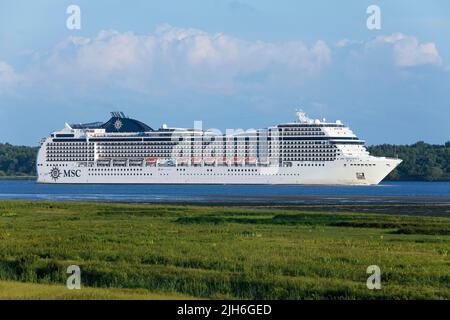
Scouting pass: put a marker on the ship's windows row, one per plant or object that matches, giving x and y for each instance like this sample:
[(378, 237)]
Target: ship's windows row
[(69, 144), (70, 159), (304, 133), (115, 169), (69, 154), (314, 147), (308, 152), (309, 159), (242, 170), (119, 174), (303, 129), (70, 148), (240, 174), (306, 144), (301, 157)]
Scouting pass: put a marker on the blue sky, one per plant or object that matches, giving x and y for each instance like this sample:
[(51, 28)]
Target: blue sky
[(233, 64)]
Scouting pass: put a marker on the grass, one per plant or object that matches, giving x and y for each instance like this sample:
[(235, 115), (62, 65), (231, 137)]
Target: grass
[(218, 252), (33, 291)]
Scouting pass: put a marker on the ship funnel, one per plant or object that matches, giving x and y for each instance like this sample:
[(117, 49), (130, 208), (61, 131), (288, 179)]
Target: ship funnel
[(117, 114)]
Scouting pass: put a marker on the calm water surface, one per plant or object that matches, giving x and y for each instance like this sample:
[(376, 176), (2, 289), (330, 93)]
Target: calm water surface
[(387, 191)]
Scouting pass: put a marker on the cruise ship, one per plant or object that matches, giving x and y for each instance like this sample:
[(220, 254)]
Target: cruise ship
[(123, 150)]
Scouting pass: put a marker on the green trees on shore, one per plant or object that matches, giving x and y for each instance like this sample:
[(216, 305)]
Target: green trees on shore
[(421, 161), (17, 160)]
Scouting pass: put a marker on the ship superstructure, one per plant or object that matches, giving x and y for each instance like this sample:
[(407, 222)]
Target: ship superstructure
[(125, 150)]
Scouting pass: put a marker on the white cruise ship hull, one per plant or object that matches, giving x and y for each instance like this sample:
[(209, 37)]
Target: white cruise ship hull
[(341, 172)]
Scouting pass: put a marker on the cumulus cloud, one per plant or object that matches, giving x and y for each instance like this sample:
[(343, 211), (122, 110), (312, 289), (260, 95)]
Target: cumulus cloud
[(8, 76), (408, 51), (172, 59), (178, 58), (346, 43)]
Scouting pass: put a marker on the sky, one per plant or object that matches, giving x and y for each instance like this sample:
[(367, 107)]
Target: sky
[(229, 63)]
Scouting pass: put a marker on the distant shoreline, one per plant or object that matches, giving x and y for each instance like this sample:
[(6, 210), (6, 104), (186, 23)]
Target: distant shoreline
[(386, 180), (18, 177)]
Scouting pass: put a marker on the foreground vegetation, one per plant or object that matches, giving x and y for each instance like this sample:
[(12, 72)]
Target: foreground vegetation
[(33, 291), (421, 161), (215, 252)]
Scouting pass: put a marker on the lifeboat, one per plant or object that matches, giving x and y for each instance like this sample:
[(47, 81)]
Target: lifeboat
[(183, 160), (210, 160), (221, 160), (120, 162), (103, 162), (161, 161), (151, 161), (135, 162)]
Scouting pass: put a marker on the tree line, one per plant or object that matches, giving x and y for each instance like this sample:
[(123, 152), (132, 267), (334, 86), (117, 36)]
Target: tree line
[(17, 160), (421, 161)]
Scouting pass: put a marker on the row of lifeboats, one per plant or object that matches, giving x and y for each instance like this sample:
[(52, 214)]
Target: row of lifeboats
[(178, 161), (214, 160)]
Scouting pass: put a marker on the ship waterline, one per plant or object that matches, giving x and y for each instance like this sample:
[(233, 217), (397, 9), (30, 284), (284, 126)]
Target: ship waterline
[(124, 150)]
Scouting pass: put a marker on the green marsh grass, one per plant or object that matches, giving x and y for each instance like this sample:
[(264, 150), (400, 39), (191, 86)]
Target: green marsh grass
[(219, 252)]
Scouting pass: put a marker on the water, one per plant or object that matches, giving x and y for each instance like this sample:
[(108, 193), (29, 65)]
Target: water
[(385, 192)]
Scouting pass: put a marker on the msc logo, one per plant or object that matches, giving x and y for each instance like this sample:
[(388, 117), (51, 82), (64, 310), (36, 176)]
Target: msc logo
[(55, 173), (72, 173), (118, 124)]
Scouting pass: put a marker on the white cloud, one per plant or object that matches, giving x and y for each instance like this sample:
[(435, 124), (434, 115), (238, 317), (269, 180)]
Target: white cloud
[(8, 76), (408, 51), (347, 42), (178, 58), (175, 59)]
